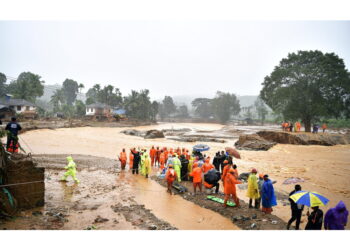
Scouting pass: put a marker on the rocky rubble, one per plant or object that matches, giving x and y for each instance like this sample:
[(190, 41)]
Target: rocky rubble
[(253, 142), (324, 139)]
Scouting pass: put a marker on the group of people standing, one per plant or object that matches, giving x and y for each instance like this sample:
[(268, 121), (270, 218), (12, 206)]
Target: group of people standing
[(335, 219), (290, 127)]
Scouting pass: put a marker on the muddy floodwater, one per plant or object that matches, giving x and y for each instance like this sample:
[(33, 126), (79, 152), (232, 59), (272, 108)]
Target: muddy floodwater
[(324, 169)]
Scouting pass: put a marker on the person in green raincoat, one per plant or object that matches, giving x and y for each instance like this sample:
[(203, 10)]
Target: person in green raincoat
[(147, 165), (142, 164), (253, 190), (177, 167), (71, 170)]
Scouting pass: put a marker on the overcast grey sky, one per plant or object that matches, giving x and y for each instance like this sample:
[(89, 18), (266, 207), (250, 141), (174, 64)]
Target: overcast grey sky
[(169, 58)]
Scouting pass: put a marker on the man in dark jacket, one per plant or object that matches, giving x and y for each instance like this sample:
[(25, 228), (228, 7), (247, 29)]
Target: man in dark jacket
[(222, 159), (13, 127), (184, 168), (297, 210), (135, 163), (315, 219), (217, 161)]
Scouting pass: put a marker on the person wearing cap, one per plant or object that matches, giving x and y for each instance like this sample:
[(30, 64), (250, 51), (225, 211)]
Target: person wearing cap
[(297, 209), (228, 166), (170, 177), (230, 187), (253, 189), (268, 197), (197, 177)]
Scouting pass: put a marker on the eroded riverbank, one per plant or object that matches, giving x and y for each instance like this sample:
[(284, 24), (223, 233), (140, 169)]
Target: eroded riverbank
[(323, 169)]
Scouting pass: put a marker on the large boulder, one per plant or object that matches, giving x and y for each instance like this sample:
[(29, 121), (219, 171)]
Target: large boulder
[(253, 142), (151, 134), (324, 139), (132, 132)]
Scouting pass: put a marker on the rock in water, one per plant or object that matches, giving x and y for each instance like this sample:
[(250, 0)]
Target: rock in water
[(305, 138), (131, 132), (151, 134), (253, 142)]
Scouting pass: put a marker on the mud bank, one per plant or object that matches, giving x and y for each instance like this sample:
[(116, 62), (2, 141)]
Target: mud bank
[(300, 138), (101, 201), (243, 217)]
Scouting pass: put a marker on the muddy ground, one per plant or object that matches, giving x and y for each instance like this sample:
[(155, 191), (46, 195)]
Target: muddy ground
[(323, 169), (243, 217), (100, 201)]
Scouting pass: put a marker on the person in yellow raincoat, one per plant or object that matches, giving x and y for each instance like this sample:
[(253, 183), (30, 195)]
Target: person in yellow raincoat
[(147, 165), (142, 163), (177, 167), (253, 190), (71, 170), (190, 164)]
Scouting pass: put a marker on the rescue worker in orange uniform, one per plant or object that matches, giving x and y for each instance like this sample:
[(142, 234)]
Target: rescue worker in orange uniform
[(230, 187), (156, 162), (152, 154), (161, 160), (197, 177), (123, 159), (170, 177), (166, 153), (207, 165), (225, 170), (131, 159)]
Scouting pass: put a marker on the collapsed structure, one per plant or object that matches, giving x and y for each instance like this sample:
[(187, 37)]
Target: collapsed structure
[(22, 184)]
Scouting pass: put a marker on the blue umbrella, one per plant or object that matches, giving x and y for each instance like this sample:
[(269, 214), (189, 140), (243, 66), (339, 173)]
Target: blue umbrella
[(310, 199), (201, 147)]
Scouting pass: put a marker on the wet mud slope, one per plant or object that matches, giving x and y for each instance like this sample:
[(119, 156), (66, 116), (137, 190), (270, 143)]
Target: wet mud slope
[(101, 201), (243, 217)]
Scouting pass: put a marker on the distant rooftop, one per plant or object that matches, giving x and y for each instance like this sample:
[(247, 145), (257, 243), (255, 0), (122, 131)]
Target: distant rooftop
[(98, 105), (16, 102)]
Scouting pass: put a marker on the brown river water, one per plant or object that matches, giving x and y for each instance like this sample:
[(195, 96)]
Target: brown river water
[(324, 169)]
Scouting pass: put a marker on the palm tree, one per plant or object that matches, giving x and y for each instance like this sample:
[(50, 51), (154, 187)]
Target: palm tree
[(80, 87), (57, 99)]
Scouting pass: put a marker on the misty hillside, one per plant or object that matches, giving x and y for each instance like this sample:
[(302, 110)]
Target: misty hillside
[(245, 101), (50, 89)]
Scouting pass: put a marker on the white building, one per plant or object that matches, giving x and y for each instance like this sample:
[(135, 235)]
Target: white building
[(98, 109)]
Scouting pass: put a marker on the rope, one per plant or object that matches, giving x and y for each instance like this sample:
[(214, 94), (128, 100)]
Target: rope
[(21, 138), (17, 184)]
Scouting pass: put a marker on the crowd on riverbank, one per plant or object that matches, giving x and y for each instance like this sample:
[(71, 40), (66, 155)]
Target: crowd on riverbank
[(178, 165)]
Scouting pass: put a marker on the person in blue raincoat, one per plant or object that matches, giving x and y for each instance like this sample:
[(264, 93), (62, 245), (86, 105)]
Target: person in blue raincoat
[(268, 197)]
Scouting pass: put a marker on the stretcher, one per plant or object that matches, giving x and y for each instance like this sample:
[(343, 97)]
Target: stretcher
[(220, 200)]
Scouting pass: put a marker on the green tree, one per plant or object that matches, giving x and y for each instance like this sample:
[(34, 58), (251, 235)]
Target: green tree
[(80, 108), (224, 105), (203, 107), (3, 85), (28, 86), (70, 89), (308, 85), (261, 109), (182, 111), (57, 100), (109, 95), (138, 105), (168, 106), (92, 93), (154, 110), (80, 87)]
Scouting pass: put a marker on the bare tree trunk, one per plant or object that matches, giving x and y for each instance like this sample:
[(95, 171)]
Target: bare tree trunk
[(307, 124)]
